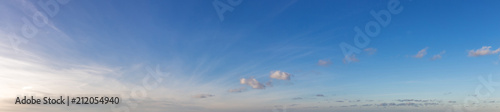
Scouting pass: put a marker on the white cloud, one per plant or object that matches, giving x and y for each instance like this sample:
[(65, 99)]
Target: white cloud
[(324, 62), (252, 83), (280, 75), (485, 50), (421, 53), (438, 56)]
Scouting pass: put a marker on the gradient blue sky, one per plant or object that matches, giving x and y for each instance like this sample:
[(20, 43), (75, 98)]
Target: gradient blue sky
[(106, 47)]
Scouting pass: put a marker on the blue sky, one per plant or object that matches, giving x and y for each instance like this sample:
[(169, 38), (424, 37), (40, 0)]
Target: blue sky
[(270, 56)]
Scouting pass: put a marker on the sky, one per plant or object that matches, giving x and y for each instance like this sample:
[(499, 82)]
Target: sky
[(252, 55)]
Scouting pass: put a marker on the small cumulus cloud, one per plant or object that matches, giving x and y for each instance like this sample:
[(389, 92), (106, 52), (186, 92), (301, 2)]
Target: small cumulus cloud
[(324, 62), (421, 53), (280, 75), (370, 51), (485, 50), (438, 56), (203, 96), (252, 83)]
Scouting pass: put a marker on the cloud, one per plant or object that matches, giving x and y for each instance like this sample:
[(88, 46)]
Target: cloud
[(485, 50), (252, 83), (324, 62), (320, 95), (370, 51), (280, 75), (203, 96), (352, 58), (421, 53), (438, 56), (237, 90)]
